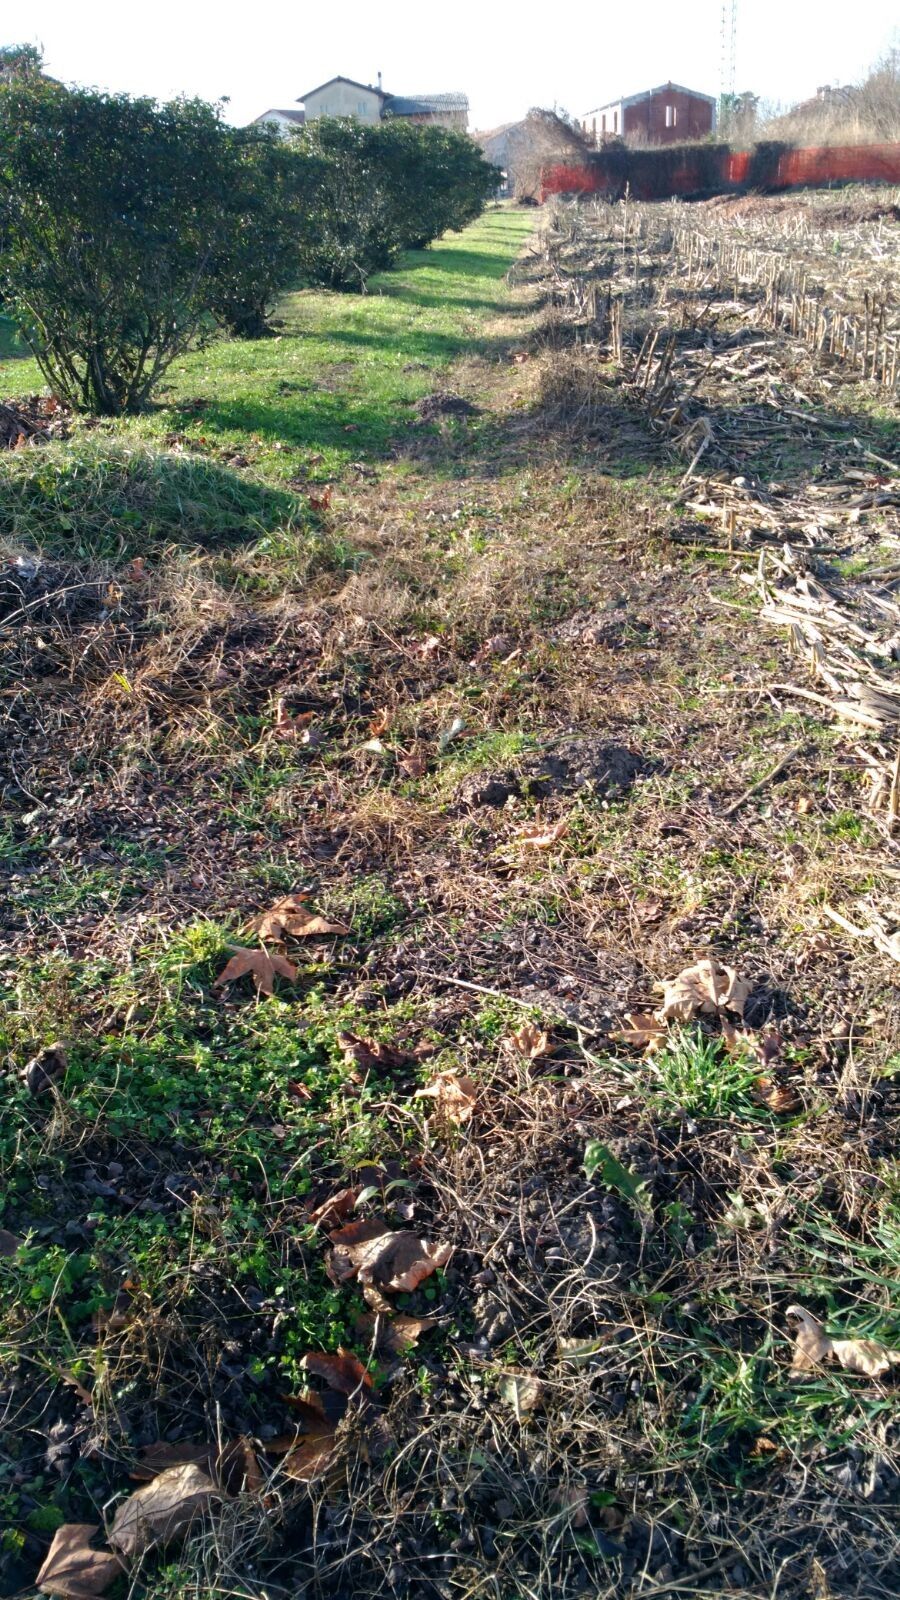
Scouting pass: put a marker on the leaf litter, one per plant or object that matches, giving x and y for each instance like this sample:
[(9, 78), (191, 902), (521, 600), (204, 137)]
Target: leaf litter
[(813, 1346)]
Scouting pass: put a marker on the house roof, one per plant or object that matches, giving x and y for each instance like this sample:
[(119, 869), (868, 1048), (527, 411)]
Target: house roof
[(647, 94), (412, 105), (370, 89), (289, 116)]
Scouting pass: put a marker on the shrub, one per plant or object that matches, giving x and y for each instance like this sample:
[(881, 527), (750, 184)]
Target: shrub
[(110, 211), (437, 180), (376, 191), (273, 190)]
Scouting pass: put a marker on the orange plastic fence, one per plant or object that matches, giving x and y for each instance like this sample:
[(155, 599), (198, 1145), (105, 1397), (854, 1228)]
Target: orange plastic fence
[(714, 169)]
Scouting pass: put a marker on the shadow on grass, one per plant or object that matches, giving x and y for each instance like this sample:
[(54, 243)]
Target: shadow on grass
[(94, 499)]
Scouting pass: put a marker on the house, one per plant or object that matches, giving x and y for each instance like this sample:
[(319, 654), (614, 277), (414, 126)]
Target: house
[(522, 150), (284, 121), (667, 114), (437, 110), (344, 97)]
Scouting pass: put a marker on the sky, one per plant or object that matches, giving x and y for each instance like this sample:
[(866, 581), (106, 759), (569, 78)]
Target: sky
[(266, 54)]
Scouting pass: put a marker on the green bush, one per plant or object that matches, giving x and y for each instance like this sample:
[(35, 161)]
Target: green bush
[(110, 212), (273, 191), (376, 191)]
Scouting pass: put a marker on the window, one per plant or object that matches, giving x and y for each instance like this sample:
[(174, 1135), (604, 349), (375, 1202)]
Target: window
[(603, 123), (671, 116), (361, 108), (615, 122)]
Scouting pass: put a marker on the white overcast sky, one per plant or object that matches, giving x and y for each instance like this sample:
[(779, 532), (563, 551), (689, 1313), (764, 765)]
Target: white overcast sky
[(506, 58)]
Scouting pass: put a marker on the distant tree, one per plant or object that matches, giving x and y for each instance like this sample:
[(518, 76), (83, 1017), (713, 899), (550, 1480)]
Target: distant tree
[(738, 116), (111, 211), (877, 100), (20, 63)]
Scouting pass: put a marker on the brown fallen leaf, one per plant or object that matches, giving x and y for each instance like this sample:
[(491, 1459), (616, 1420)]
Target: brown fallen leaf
[(291, 918), (531, 1041), (643, 1029), (83, 1393), (262, 966), (705, 988), (72, 1569), (393, 1335), (426, 647), (782, 1098), (395, 1263), (497, 645), (414, 763), (285, 726), (335, 1208), (369, 1054), (43, 1069), (343, 1264), (321, 500), (813, 1345), (380, 723), (454, 1094), (523, 1391), (155, 1459), (541, 835), (310, 1458), (162, 1510), (343, 1371)]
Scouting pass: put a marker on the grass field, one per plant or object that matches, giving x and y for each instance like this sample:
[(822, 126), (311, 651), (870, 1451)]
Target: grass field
[(452, 678)]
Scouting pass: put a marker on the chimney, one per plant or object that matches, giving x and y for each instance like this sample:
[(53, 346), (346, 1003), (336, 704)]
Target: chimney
[(379, 82)]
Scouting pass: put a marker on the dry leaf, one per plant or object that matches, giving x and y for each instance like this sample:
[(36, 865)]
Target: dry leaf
[(380, 723), (291, 918), (335, 1209), (414, 763), (454, 1096), (522, 1391), (644, 1029), (162, 1510), (394, 1263), (531, 1041), (72, 1569), (427, 646), (782, 1098), (393, 1335), (44, 1068), (706, 987), (497, 645), (83, 1393), (343, 1371), (322, 500), (368, 1054), (261, 965), (285, 726), (310, 1458), (541, 835), (155, 1459), (813, 1345)]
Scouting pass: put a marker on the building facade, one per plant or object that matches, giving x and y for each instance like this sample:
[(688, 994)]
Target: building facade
[(667, 114)]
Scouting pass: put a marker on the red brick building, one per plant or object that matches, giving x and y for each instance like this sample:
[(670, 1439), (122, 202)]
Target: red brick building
[(665, 115)]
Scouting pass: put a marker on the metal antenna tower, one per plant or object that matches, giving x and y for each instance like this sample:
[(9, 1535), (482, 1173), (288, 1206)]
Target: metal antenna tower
[(728, 58)]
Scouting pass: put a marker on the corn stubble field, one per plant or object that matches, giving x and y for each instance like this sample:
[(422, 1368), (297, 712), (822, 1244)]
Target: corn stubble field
[(451, 869)]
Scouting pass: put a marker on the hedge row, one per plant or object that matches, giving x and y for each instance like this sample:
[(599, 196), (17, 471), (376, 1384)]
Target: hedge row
[(130, 231)]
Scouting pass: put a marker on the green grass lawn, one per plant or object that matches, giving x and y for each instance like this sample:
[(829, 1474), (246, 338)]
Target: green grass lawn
[(339, 381)]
